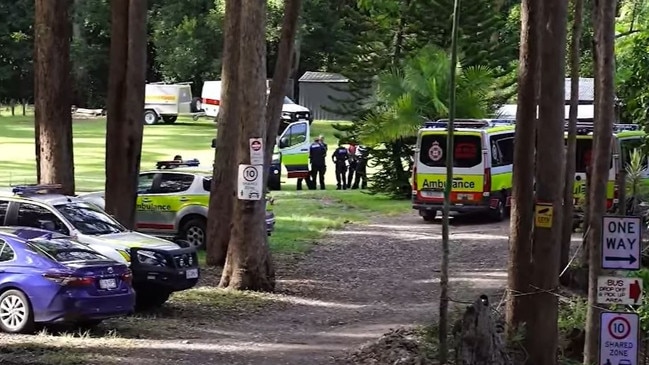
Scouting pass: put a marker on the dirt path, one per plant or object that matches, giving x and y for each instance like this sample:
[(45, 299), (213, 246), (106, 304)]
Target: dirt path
[(353, 287)]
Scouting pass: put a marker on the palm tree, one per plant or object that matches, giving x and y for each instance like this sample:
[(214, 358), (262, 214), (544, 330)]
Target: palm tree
[(404, 97)]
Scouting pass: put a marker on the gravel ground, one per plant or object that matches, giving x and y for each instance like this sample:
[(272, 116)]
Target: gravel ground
[(353, 287)]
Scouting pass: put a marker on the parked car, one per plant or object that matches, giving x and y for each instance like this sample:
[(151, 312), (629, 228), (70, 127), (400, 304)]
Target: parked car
[(51, 278), (159, 267), (173, 202)]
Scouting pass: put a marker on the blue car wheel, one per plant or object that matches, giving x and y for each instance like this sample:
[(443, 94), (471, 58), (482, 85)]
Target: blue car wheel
[(15, 312)]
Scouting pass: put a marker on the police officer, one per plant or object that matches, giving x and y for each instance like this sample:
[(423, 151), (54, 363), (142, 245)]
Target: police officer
[(340, 158), (317, 155), (361, 167), (353, 163)]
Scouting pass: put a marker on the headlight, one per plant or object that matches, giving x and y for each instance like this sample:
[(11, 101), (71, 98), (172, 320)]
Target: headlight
[(125, 255), (286, 115), (151, 258)]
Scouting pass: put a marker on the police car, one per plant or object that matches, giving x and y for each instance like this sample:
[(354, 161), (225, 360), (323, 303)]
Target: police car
[(172, 201), (159, 267)]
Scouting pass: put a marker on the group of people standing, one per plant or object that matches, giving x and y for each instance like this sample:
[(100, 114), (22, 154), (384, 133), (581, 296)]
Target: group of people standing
[(350, 162)]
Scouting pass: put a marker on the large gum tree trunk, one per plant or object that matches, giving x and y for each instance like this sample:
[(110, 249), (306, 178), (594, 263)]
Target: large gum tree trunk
[(550, 157), (602, 139), (248, 264), (521, 223), (53, 117), (223, 190), (125, 107)]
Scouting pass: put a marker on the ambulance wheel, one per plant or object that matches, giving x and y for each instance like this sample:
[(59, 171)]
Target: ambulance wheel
[(194, 232), (500, 213), (169, 119), (429, 215), (150, 117), (274, 184)]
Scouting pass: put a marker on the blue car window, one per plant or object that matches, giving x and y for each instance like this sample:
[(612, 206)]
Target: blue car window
[(63, 250), (6, 252)]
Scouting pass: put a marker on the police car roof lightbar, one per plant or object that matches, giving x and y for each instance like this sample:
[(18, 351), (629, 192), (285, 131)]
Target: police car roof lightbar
[(177, 163), (587, 126), (35, 189)]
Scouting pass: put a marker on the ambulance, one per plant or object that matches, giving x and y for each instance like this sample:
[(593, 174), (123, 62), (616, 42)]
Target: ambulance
[(483, 157), (626, 138)]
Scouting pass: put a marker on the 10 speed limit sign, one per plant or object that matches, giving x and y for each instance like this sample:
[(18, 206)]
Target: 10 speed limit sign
[(618, 338)]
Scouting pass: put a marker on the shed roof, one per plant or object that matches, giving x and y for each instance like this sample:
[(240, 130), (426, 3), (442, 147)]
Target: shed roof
[(315, 76), (586, 89)]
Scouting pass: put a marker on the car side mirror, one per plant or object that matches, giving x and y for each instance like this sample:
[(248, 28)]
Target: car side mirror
[(283, 142), (47, 225)]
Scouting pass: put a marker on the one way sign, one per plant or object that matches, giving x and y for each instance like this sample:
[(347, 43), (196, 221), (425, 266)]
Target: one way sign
[(621, 241)]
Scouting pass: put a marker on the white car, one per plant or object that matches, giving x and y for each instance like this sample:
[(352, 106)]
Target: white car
[(211, 103), (159, 267)]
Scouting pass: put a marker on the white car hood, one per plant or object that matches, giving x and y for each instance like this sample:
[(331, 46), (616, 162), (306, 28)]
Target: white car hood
[(292, 108), (130, 239)]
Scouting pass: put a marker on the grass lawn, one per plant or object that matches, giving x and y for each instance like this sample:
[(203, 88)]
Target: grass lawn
[(302, 216)]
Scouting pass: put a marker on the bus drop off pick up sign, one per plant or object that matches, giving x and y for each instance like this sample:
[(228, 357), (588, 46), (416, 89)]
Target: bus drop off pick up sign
[(621, 242), (619, 290)]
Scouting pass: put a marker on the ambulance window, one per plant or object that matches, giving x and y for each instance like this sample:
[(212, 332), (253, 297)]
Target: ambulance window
[(502, 150), (174, 183), (467, 150), (145, 182), (296, 134), (584, 154)]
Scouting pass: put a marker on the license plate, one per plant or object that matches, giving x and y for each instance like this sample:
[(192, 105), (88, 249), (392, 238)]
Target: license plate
[(191, 274), (432, 194), (465, 196), (107, 283)]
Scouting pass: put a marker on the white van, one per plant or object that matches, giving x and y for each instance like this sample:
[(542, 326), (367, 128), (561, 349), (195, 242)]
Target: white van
[(211, 102)]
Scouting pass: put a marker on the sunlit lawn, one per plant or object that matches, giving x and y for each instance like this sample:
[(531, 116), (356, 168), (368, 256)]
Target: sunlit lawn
[(302, 216)]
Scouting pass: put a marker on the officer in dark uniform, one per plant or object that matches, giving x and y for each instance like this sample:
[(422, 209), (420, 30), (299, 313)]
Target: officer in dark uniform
[(340, 158), (361, 167), (318, 155), (353, 164)]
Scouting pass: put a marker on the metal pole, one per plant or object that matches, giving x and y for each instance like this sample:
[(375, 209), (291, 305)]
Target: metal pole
[(443, 297)]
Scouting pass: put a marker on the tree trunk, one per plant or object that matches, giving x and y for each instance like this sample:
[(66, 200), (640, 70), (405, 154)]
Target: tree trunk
[(283, 67), (571, 150), (476, 340), (223, 190), (248, 265), (543, 344), (522, 209), (125, 107), (602, 136), (53, 119)]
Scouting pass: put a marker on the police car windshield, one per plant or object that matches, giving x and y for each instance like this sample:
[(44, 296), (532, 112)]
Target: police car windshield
[(89, 219), (288, 100)]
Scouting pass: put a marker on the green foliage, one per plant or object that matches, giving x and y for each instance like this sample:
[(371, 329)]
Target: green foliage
[(421, 89), (16, 49)]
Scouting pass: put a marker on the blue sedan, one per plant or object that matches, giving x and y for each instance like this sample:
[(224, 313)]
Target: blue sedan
[(50, 278)]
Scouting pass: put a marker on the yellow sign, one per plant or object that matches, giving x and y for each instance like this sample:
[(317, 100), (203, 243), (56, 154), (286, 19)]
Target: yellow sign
[(160, 98), (543, 215)]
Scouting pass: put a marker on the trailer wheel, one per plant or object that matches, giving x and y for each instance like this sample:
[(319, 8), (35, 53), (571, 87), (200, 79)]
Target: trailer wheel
[(169, 119), (197, 105), (150, 117)]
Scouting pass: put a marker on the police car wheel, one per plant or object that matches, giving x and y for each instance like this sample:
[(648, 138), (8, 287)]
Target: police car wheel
[(195, 232), (150, 298)]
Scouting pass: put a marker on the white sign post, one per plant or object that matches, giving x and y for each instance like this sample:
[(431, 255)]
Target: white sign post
[(619, 290), (618, 341), (256, 151), (621, 241), (250, 183)]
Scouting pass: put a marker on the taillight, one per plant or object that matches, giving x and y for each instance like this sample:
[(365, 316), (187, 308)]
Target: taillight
[(127, 277), (68, 280), (486, 186), (414, 180)]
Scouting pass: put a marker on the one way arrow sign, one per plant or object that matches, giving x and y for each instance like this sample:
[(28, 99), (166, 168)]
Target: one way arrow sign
[(621, 241)]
